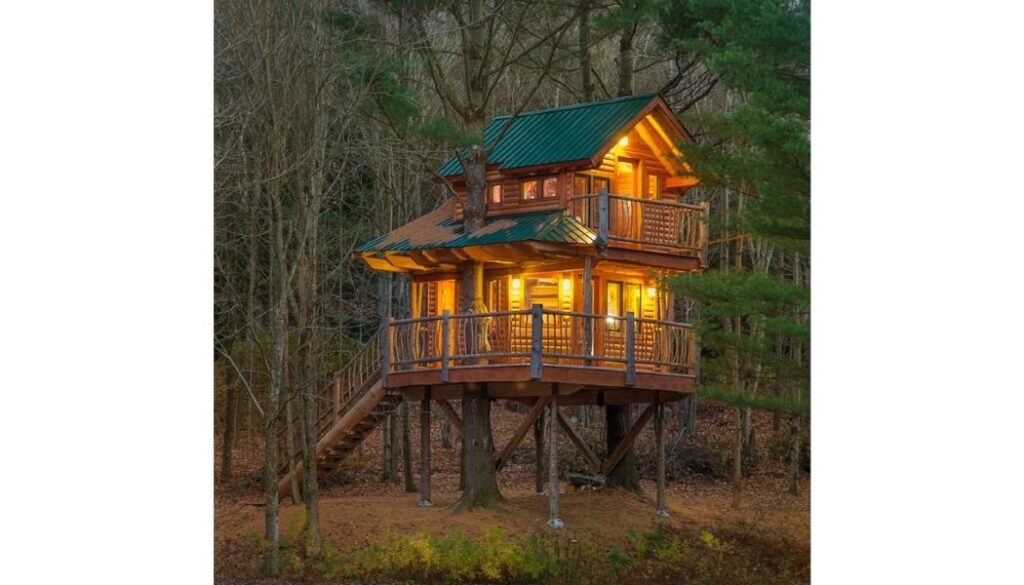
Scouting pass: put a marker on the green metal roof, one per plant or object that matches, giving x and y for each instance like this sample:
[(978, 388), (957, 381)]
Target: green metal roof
[(439, 230), (555, 135)]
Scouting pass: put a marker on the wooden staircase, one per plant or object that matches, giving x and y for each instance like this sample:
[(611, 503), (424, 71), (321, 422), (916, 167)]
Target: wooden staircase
[(348, 410)]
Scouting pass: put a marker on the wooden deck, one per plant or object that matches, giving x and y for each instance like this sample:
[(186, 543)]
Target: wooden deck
[(517, 354)]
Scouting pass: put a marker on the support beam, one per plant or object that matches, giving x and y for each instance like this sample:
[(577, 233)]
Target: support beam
[(517, 437), (425, 450), (659, 440), (449, 411), (627, 441), (554, 520), (538, 441), (592, 460)]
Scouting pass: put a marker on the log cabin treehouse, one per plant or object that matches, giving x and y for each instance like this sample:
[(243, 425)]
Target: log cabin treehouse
[(584, 221)]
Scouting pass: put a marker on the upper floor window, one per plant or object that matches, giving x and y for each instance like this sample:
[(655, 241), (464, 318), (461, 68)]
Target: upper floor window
[(551, 187), (537, 188), (581, 185), (496, 194), (531, 189)]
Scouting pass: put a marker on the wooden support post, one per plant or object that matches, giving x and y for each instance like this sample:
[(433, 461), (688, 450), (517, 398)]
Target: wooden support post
[(449, 411), (446, 336), (553, 520), (630, 349), (627, 441), (538, 441), (537, 313), (602, 215), (659, 439), (425, 450), (588, 309), (592, 460), (517, 437)]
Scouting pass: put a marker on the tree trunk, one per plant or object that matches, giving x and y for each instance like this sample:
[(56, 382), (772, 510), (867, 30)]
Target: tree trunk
[(406, 449), (388, 472), (794, 453), (737, 460), (586, 80), (230, 421), (270, 437), (617, 422), (446, 433), (626, 61), (481, 488)]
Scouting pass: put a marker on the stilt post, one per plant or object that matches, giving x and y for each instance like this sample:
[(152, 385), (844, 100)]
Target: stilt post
[(538, 440), (659, 439), (554, 520), (425, 450)]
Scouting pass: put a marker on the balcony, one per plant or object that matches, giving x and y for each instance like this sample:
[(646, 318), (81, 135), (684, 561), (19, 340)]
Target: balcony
[(644, 224), (586, 351)]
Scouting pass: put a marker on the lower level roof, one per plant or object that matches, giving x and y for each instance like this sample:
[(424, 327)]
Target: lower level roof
[(438, 229)]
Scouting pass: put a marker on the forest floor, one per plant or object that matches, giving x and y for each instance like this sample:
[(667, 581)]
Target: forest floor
[(359, 510)]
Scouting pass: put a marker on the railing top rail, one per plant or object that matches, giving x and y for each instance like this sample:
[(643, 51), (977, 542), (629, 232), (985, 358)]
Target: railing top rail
[(641, 200)]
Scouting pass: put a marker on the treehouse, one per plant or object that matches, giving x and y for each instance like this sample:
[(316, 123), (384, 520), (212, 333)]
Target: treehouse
[(585, 219)]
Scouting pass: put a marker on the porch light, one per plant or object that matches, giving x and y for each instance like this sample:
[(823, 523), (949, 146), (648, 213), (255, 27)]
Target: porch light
[(517, 283), (624, 141), (566, 285), (652, 291)]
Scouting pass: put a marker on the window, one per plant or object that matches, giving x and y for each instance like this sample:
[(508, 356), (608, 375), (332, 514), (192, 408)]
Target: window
[(581, 185), (496, 194), (551, 187), (632, 300), (653, 186), (613, 305), (531, 189)]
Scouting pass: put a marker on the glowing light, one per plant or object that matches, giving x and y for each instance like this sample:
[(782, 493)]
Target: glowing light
[(652, 292), (610, 320), (624, 141), (566, 285), (517, 283)]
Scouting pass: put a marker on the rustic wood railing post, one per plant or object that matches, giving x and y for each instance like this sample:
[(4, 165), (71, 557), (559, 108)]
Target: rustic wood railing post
[(602, 215), (446, 335), (630, 349), (537, 311)]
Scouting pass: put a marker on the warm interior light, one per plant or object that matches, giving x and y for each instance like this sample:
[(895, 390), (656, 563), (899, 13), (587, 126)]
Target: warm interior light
[(516, 284), (652, 292), (566, 285), (610, 320), (624, 141)]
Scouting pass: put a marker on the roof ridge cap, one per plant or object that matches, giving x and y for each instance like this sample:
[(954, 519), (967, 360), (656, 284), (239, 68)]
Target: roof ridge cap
[(626, 98)]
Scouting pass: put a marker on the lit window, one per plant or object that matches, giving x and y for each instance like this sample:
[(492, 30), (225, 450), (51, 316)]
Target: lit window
[(551, 187), (613, 304), (653, 186), (531, 189), (581, 185), (496, 194)]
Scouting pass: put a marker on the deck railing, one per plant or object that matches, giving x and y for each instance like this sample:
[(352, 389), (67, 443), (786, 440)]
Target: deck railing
[(539, 337), (646, 222)]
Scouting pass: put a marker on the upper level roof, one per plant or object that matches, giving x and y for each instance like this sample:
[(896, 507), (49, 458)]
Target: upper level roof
[(558, 135)]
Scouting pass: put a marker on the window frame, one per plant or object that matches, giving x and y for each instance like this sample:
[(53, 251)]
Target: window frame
[(501, 194), (544, 186)]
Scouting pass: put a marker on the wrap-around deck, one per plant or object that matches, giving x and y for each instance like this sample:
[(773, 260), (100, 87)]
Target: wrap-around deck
[(520, 353)]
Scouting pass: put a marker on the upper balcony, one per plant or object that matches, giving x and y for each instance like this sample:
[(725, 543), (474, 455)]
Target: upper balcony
[(644, 224)]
